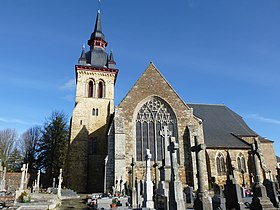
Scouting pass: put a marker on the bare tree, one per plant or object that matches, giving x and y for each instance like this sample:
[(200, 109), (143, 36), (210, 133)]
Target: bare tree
[(29, 143), (7, 141)]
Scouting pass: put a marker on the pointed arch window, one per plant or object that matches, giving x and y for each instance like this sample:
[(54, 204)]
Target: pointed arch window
[(101, 90), (220, 162), (151, 118), (241, 163), (91, 89)]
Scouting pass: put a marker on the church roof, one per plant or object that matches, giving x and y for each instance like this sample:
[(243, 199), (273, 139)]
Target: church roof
[(278, 159), (222, 126)]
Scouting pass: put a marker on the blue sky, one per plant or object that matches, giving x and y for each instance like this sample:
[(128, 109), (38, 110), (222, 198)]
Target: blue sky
[(214, 52)]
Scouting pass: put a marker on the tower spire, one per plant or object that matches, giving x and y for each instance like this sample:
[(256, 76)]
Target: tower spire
[(98, 6)]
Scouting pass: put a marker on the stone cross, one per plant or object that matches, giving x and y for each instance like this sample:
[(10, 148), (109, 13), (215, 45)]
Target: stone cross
[(203, 200), (174, 146), (22, 177), (133, 188), (148, 194), (165, 133), (26, 177), (60, 179), (255, 153), (38, 181)]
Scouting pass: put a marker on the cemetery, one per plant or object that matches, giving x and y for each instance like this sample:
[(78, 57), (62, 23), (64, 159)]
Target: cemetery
[(169, 194)]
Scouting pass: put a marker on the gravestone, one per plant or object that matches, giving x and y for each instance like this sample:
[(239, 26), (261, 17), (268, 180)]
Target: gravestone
[(233, 194), (202, 200), (165, 170), (23, 172), (189, 194), (176, 198), (60, 179), (148, 194), (271, 190), (260, 200), (37, 182), (133, 188), (218, 200), (3, 180)]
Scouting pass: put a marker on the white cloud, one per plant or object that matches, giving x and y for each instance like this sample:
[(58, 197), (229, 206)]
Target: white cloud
[(263, 119), (69, 85), (18, 121)]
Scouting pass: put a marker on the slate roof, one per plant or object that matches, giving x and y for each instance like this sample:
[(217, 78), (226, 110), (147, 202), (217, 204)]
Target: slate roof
[(278, 159), (222, 126)]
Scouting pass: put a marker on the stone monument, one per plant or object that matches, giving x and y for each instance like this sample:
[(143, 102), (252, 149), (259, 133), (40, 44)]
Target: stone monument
[(148, 194), (176, 198), (60, 179), (133, 188), (260, 200), (203, 201)]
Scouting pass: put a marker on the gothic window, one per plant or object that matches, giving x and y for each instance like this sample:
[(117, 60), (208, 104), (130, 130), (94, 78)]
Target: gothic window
[(101, 90), (241, 163), (151, 118), (91, 89), (220, 162)]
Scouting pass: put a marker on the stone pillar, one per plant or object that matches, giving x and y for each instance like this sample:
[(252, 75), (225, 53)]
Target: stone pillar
[(203, 201), (260, 200), (133, 188), (148, 194), (60, 179)]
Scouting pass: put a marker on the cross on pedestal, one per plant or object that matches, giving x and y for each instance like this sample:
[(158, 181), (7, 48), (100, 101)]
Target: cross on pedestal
[(22, 176), (173, 147), (133, 197), (60, 179), (256, 156), (165, 133)]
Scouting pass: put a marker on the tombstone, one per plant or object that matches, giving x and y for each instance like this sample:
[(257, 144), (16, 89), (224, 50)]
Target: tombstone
[(138, 191), (202, 200), (26, 177), (23, 169), (3, 180), (188, 191), (176, 198), (260, 200), (148, 194), (271, 190), (53, 184), (165, 170), (218, 200), (233, 194), (113, 191), (60, 179), (133, 188), (37, 182)]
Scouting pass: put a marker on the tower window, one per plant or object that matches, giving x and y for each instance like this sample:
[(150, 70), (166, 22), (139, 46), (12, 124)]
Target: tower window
[(90, 89), (101, 90), (220, 161), (95, 112)]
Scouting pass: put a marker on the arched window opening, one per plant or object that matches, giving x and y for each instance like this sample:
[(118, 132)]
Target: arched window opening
[(96, 112), (90, 89), (101, 90), (151, 118), (93, 111), (241, 163), (220, 162)]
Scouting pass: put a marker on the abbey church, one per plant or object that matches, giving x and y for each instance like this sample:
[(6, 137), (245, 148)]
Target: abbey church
[(105, 137)]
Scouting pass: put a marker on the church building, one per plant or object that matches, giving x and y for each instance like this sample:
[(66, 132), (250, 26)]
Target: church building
[(104, 138)]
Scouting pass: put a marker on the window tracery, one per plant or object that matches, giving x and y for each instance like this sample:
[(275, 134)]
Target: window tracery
[(151, 118), (220, 162), (241, 163)]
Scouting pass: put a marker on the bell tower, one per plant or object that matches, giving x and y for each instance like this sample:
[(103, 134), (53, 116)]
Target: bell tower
[(96, 75)]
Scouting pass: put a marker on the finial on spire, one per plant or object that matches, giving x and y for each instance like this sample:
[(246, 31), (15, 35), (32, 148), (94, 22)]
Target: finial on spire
[(98, 6)]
